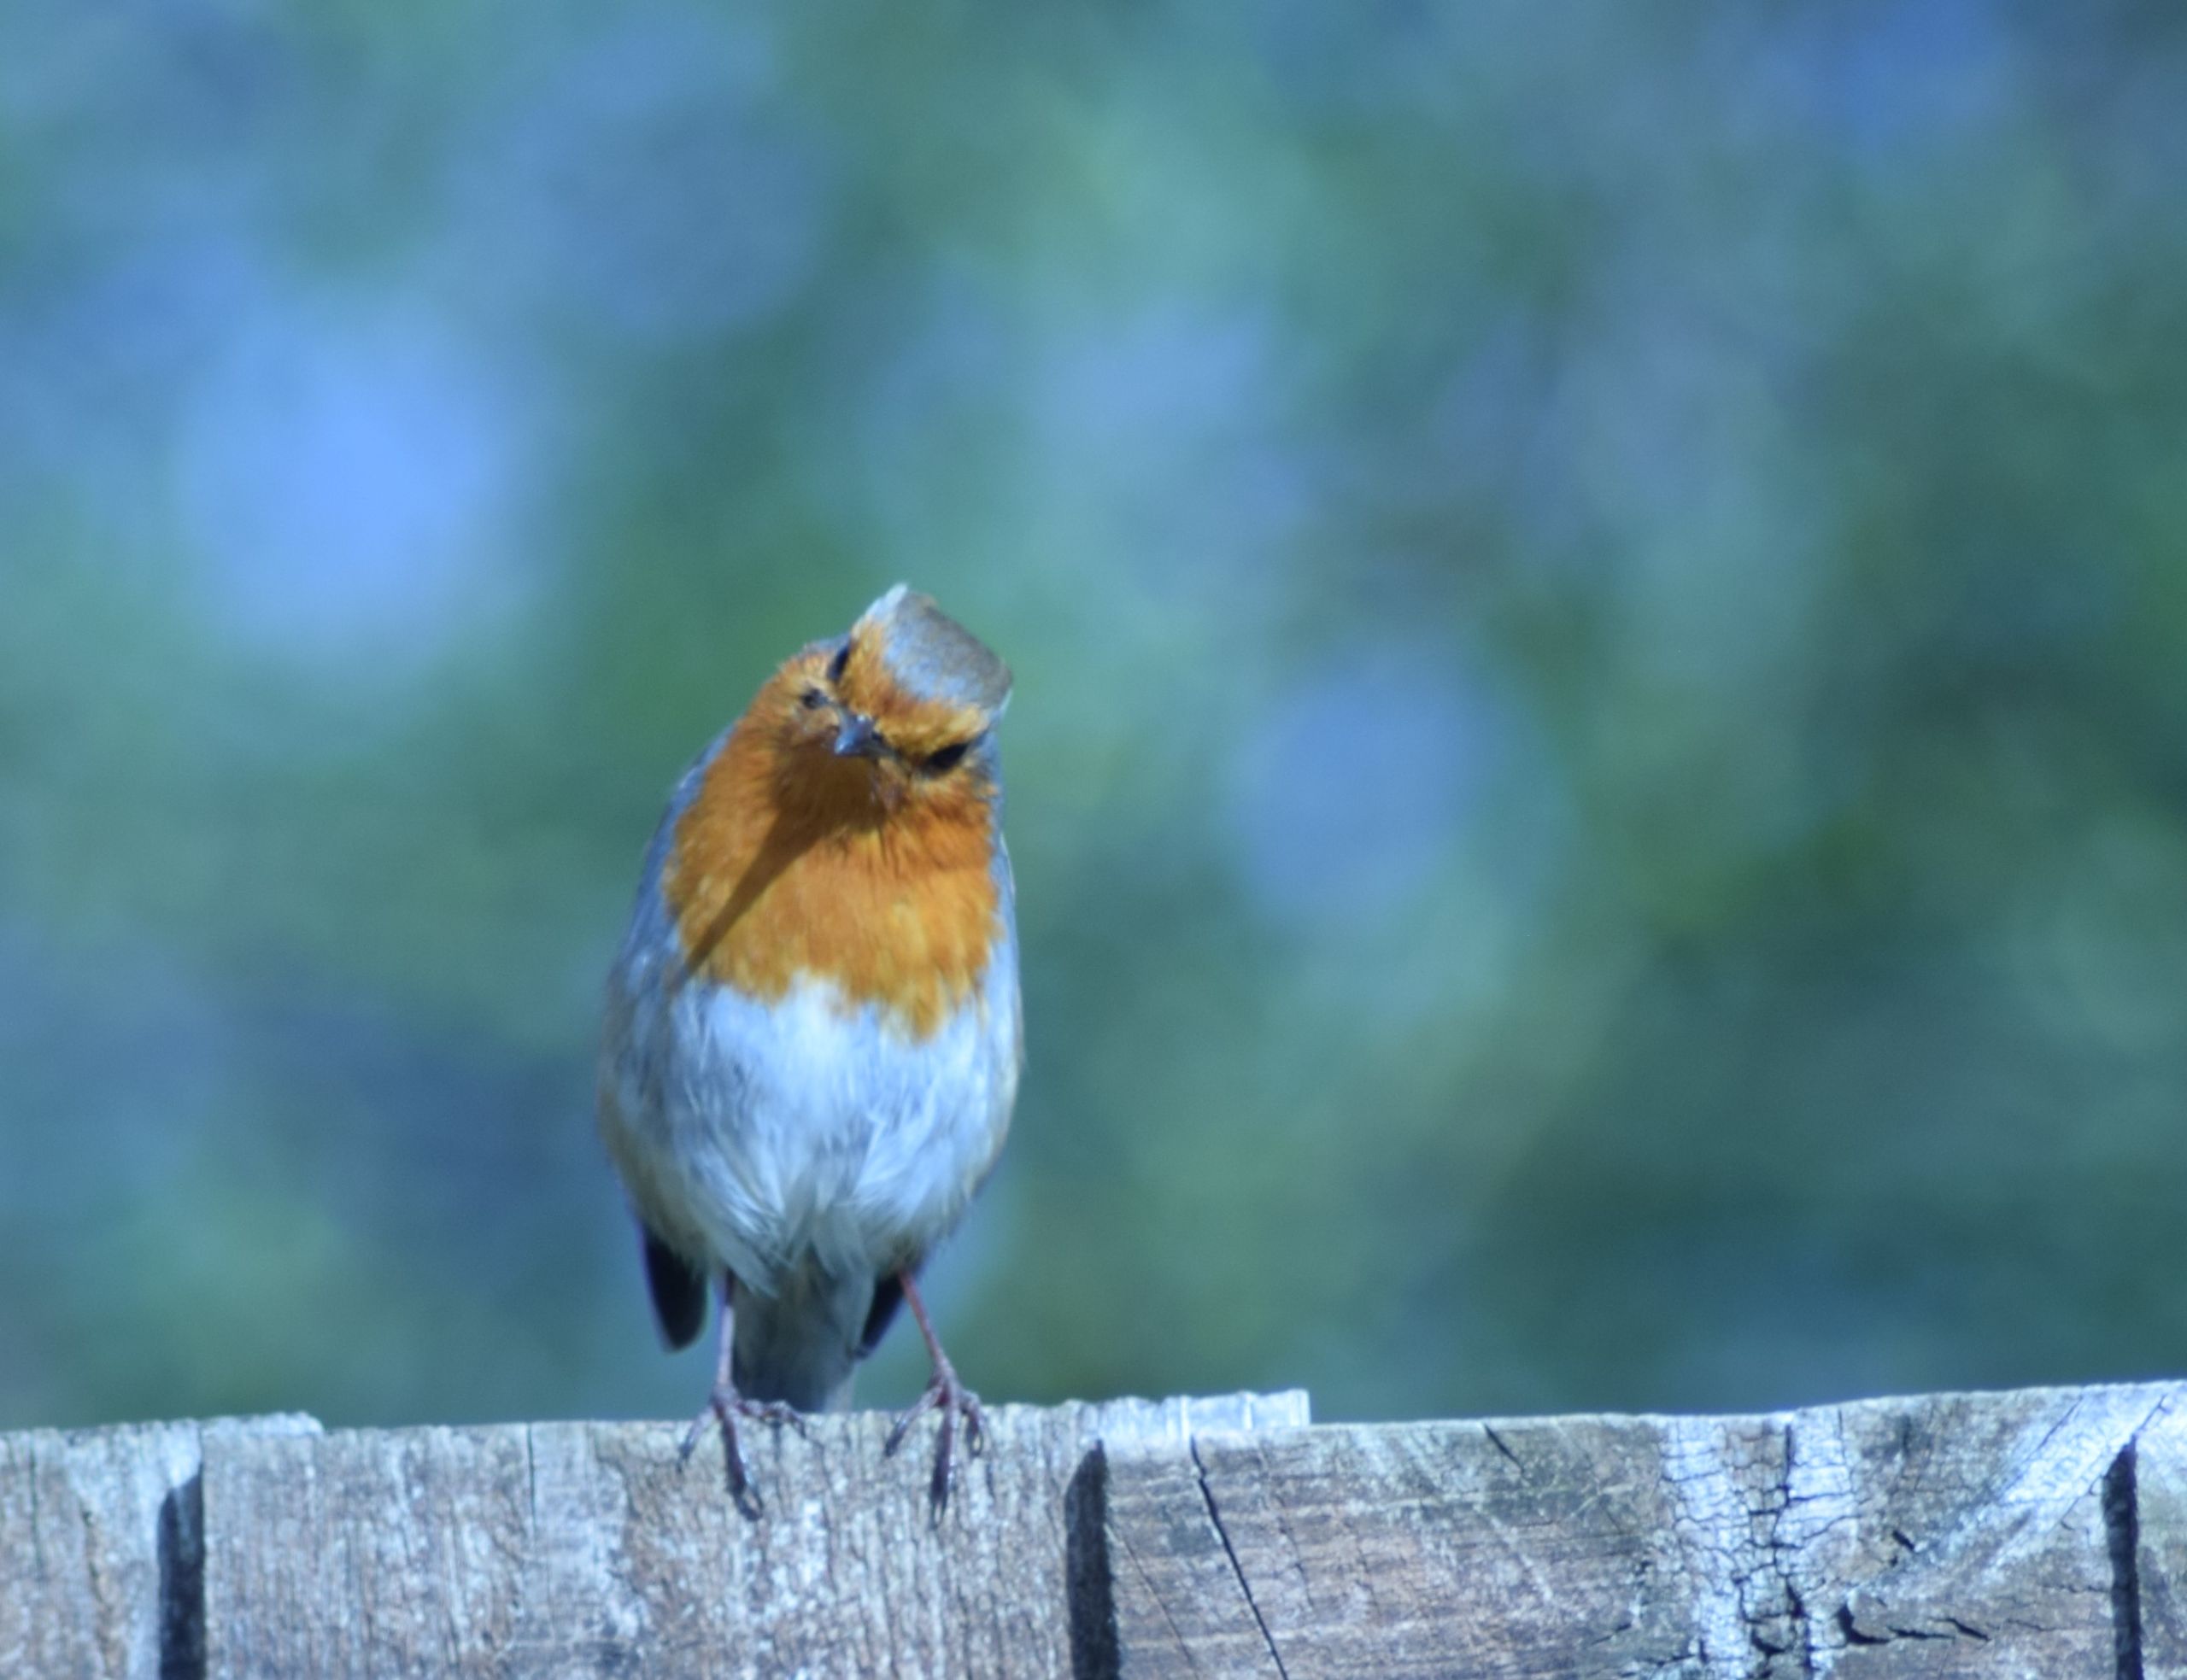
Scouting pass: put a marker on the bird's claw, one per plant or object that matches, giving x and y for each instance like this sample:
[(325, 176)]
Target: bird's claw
[(945, 1394), (725, 1406)]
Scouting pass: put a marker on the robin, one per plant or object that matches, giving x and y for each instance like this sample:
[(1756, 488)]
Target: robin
[(813, 1034)]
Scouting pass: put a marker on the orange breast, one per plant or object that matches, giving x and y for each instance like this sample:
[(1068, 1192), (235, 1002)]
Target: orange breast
[(782, 871)]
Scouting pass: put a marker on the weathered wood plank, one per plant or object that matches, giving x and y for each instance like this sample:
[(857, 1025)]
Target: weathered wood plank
[(2041, 1533), (101, 1553), (588, 1548), (2148, 1514)]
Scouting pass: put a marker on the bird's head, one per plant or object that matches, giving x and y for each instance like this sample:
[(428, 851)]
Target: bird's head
[(900, 709)]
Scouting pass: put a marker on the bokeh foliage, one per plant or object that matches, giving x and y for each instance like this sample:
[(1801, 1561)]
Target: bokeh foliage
[(1599, 773)]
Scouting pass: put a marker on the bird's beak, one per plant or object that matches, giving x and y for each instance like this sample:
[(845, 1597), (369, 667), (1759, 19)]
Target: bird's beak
[(857, 738)]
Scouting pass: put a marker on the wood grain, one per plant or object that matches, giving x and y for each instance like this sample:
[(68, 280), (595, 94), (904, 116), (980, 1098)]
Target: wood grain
[(2038, 1534), (583, 1548), (2035, 1533), (101, 1557)]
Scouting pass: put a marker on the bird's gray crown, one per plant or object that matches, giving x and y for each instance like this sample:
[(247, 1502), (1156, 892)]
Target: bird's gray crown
[(932, 655)]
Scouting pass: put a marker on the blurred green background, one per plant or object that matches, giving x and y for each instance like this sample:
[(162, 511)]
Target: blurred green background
[(1599, 770)]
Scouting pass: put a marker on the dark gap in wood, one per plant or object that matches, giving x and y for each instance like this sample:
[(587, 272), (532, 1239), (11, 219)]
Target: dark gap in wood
[(181, 1555), (1088, 1585), (2122, 1528)]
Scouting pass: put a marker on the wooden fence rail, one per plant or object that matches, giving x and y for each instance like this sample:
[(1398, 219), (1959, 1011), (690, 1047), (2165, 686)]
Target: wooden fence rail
[(2041, 1533)]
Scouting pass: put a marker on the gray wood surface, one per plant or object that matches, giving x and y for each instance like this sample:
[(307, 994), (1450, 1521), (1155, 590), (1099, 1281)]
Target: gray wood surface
[(2041, 1533), (580, 1549), (2035, 1533), (102, 1556)]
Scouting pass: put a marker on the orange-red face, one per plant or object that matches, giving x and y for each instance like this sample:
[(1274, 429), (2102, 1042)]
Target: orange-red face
[(852, 716), (846, 830)]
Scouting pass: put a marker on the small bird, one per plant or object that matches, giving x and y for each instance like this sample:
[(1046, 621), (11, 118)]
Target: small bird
[(813, 1033)]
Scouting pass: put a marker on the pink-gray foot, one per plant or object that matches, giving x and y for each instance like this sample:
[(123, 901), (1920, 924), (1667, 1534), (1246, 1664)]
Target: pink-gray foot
[(725, 1405), (944, 1394)]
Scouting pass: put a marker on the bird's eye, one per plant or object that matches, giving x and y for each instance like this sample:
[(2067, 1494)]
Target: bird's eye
[(947, 757), (842, 658), (813, 700)]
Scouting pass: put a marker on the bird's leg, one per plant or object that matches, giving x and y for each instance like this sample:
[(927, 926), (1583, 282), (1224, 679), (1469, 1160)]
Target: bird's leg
[(944, 1393), (725, 1405)]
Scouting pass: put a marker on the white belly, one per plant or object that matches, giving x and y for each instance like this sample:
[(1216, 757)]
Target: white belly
[(766, 1136)]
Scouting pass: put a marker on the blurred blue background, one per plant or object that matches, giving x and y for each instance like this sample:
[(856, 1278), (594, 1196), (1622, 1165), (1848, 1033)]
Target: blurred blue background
[(1599, 770)]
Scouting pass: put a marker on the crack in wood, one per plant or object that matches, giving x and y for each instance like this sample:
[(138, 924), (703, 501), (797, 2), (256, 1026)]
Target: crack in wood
[(180, 1557), (2122, 1531), (1783, 1555), (38, 1536), (1502, 1446), (1215, 1518), (1088, 1576)]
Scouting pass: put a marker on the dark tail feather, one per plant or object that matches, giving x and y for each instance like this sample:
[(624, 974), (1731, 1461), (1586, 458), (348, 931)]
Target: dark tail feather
[(888, 1296), (679, 1293)]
